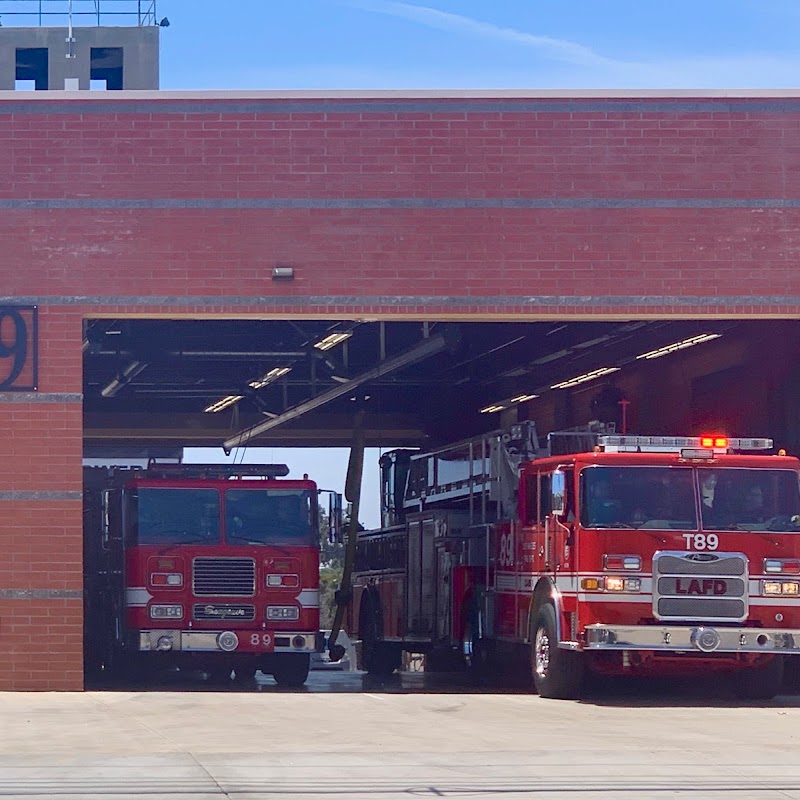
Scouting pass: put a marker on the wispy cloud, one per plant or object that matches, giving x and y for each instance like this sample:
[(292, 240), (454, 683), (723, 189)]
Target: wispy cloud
[(575, 65), (556, 49)]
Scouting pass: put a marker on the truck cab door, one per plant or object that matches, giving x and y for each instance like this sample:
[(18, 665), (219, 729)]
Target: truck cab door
[(561, 520)]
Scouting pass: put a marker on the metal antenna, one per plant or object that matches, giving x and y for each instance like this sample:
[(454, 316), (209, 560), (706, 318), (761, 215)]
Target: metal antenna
[(70, 37)]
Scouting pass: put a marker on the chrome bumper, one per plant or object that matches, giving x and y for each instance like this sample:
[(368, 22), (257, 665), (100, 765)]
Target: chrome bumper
[(691, 639), (220, 642)]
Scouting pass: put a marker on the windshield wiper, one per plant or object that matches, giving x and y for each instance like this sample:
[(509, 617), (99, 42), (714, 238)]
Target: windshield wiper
[(234, 537), (607, 525), (195, 540)]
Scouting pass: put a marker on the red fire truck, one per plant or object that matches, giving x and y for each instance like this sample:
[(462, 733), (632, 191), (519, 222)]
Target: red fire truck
[(623, 555), (208, 567)]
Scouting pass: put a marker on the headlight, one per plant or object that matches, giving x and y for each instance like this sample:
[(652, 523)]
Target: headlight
[(614, 584), (283, 612), (782, 587), (785, 566), (166, 579), (166, 612), (283, 581), (616, 562)]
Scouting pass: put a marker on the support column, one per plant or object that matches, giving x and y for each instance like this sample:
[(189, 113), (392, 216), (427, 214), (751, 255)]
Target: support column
[(41, 538)]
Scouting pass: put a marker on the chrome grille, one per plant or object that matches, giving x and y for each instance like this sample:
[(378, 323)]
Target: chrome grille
[(224, 611), (703, 587), (700, 608), (701, 564), (223, 577), (721, 587)]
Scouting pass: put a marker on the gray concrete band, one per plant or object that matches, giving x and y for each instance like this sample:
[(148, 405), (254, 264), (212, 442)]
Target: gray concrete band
[(41, 594), (44, 397), (408, 106), (39, 495), (377, 203), (328, 303)]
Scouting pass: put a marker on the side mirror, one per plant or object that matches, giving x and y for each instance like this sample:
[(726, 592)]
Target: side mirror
[(558, 491), (105, 525), (113, 519), (335, 518)]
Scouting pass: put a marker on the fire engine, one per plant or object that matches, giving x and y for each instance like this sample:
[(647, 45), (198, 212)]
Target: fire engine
[(208, 567), (617, 554)]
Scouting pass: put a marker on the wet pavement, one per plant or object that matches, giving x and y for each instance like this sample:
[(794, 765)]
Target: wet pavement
[(346, 735)]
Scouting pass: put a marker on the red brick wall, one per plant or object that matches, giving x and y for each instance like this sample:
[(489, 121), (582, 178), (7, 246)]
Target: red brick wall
[(41, 583), (491, 207), (668, 199)]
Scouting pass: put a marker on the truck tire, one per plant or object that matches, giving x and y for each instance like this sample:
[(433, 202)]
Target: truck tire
[(291, 669), (219, 675), (761, 684), (377, 657), (791, 674), (244, 675), (557, 673)]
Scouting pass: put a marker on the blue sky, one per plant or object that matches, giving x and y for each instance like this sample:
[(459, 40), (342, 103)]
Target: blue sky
[(327, 468), (371, 44)]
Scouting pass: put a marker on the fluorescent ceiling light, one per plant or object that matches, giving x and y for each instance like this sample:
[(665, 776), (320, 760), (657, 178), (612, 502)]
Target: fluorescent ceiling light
[(521, 398), (269, 377), (332, 339), (223, 404), (682, 345), (588, 376), (492, 409)]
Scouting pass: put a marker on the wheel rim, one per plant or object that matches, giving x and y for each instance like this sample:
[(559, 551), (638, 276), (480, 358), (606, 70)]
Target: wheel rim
[(542, 653)]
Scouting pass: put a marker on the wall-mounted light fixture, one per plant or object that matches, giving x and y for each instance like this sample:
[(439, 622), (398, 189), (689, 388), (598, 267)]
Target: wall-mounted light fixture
[(282, 273)]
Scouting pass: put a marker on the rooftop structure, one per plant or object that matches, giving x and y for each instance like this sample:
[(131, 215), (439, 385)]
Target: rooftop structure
[(79, 44)]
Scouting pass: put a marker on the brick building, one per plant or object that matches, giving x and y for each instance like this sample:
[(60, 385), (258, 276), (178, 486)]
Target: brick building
[(489, 205)]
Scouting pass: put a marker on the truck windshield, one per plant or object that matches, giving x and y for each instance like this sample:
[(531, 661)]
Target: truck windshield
[(174, 516), (750, 499), (270, 516), (638, 497)]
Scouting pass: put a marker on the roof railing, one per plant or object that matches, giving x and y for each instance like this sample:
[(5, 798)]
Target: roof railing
[(57, 13)]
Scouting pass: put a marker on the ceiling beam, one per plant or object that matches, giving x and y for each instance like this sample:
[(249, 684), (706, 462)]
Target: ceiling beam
[(207, 430), (425, 349)]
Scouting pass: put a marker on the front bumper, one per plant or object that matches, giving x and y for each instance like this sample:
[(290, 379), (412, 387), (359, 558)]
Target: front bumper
[(250, 642), (692, 639)]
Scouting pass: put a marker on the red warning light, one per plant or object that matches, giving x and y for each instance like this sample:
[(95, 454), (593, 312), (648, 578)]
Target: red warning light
[(714, 441), (720, 441), (706, 441)]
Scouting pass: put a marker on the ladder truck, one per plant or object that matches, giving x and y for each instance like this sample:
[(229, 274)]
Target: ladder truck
[(617, 554)]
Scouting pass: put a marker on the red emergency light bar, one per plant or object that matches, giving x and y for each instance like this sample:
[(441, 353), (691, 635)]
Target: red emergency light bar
[(713, 441), (713, 444)]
